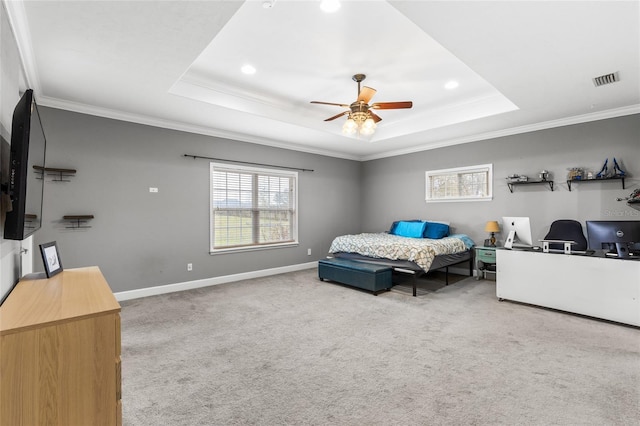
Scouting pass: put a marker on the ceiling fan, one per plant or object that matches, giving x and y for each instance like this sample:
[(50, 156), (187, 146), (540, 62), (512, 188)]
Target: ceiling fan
[(361, 118)]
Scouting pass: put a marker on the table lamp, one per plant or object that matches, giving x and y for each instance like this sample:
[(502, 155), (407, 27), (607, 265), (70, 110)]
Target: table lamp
[(492, 227)]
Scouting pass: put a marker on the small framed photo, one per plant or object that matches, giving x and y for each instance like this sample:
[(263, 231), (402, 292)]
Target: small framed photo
[(51, 258)]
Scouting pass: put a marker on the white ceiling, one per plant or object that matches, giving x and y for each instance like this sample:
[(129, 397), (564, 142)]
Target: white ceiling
[(521, 66)]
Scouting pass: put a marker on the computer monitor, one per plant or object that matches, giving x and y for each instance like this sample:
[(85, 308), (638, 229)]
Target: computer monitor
[(609, 235), (517, 231)]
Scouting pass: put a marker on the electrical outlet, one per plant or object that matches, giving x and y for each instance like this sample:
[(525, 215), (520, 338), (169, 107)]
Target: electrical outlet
[(308, 252), (189, 266)]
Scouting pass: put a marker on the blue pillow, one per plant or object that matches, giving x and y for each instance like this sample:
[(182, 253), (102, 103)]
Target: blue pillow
[(410, 229), (435, 230), (392, 230)]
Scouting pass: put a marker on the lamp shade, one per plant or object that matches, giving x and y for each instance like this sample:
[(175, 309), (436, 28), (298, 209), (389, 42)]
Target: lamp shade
[(492, 226)]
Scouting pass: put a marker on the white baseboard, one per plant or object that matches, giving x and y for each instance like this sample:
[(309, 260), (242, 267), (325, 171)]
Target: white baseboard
[(188, 285)]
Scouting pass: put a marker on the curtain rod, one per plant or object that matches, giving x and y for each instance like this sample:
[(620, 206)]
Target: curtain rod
[(247, 162)]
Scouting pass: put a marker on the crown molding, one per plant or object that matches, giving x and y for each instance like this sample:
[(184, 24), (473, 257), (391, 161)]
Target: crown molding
[(20, 27), (568, 121), (183, 127)]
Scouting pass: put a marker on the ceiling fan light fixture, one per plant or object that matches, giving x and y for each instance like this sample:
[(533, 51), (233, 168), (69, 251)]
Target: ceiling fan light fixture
[(360, 115), (359, 122), (368, 127), (349, 127), (366, 131)]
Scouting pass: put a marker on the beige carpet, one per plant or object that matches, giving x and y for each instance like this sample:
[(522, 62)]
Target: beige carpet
[(292, 350)]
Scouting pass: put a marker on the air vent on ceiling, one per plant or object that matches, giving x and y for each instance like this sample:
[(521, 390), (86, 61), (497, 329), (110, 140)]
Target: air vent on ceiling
[(606, 79)]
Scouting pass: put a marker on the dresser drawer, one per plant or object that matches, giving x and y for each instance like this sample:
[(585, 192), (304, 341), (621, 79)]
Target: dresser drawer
[(485, 255)]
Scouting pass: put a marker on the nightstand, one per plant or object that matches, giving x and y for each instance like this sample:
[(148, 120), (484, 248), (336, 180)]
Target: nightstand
[(485, 261)]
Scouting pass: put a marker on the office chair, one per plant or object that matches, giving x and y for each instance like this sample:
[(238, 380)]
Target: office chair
[(568, 230)]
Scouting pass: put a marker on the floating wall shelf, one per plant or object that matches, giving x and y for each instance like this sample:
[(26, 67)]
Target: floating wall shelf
[(78, 220), (530, 182), (60, 174), (28, 220), (620, 178), (40, 170)]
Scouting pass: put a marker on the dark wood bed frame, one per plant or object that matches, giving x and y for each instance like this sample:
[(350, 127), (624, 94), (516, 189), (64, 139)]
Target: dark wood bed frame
[(408, 267)]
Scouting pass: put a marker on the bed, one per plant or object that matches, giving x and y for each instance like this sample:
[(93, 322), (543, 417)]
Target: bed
[(409, 247)]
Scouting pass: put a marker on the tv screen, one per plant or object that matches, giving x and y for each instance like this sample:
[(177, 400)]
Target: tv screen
[(26, 183)]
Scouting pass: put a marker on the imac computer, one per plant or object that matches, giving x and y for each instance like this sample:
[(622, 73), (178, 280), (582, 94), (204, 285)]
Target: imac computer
[(518, 232), (620, 238)]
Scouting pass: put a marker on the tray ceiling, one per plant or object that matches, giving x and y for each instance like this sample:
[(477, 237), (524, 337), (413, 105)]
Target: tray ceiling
[(519, 65)]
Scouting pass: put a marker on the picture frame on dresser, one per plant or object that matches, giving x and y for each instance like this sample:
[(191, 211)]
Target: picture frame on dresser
[(51, 258)]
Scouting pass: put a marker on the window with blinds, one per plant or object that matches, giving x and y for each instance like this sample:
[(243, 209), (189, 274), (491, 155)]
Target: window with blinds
[(252, 208), (471, 183)]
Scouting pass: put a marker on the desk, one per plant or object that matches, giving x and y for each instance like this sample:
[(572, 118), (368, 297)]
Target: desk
[(588, 285)]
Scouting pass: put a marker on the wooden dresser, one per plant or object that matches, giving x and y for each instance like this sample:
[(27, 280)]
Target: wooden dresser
[(60, 351)]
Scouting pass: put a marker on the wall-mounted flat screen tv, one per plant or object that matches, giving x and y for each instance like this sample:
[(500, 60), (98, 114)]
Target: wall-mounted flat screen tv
[(26, 165)]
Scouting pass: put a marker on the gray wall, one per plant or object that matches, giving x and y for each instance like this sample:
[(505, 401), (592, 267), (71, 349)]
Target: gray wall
[(140, 239), (394, 188)]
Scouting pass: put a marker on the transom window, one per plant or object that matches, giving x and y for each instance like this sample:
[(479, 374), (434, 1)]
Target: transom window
[(471, 183), (252, 208)]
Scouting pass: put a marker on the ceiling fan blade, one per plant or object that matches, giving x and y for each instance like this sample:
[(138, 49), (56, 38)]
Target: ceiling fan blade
[(337, 116), (392, 105), (375, 117), (366, 93), (330, 103)]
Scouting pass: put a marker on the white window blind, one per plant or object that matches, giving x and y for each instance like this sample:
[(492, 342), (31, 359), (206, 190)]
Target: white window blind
[(252, 208), (471, 183)]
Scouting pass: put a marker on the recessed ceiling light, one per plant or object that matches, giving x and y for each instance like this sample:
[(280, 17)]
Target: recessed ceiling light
[(330, 6), (451, 85), (248, 69)]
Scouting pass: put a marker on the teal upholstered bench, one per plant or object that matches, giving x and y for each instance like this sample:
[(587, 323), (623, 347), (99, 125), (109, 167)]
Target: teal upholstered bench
[(367, 276)]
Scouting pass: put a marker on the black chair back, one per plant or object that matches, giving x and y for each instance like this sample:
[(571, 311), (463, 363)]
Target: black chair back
[(568, 230)]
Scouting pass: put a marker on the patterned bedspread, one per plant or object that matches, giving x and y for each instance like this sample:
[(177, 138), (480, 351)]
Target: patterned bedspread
[(421, 251)]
